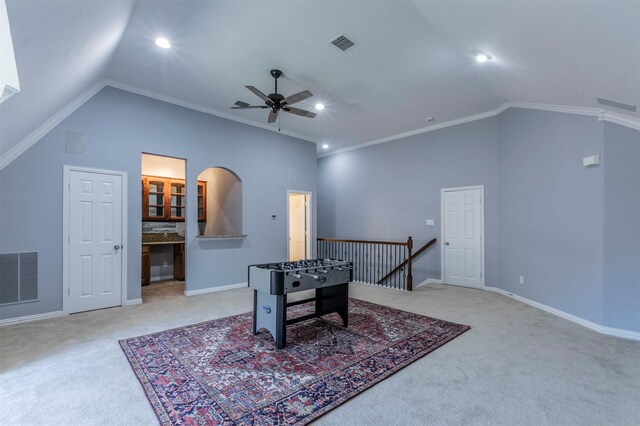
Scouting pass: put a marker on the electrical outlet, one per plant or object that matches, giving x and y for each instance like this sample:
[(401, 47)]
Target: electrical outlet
[(165, 264), (430, 222), (521, 279)]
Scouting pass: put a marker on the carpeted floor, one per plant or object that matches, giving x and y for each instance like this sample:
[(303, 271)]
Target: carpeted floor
[(516, 366)]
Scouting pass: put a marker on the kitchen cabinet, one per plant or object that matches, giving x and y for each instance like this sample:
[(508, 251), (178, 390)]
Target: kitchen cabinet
[(146, 265), (164, 199), (178, 260)]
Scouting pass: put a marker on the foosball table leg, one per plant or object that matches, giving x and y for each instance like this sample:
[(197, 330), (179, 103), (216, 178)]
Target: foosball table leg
[(334, 299), (270, 312)]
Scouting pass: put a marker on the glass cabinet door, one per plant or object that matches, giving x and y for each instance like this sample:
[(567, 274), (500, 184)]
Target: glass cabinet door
[(202, 201), (177, 200), (155, 199)]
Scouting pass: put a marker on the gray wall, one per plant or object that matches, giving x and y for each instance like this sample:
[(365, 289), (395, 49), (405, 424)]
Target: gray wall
[(572, 232), (387, 191), (119, 127), (621, 227), (551, 214)]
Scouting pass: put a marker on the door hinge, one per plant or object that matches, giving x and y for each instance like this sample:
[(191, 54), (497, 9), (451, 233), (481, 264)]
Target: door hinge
[(68, 291), (69, 186)]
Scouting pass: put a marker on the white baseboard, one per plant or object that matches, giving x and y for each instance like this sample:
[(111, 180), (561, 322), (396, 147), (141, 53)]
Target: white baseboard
[(133, 302), (610, 331), (27, 318), (375, 285), (162, 278), (428, 281), (214, 289)]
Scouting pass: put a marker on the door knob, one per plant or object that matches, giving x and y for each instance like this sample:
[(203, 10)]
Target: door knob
[(117, 247), (447, 243)]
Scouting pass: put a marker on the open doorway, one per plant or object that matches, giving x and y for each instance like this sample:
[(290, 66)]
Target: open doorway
[(163, 226), (299, 225)]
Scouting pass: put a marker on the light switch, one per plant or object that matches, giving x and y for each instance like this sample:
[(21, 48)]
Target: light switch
[(430, 222)]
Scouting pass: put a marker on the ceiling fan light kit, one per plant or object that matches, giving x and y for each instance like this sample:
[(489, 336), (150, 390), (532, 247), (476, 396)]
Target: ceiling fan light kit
[(277, 102)]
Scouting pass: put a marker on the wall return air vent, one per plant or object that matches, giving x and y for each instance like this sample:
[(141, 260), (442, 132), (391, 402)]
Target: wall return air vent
[(343, 43)]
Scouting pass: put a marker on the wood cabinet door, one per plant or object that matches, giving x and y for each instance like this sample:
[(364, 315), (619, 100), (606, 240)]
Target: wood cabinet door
[(146, 265), (176, 199), (154, 203), (202, 201), (178, 262)]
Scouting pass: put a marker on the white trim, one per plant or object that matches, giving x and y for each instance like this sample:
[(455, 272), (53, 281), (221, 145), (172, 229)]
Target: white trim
[(214, 289), (610, 331), (601, 114), (204, 109), (595, 112), (426, 129), (427, 282), (377, 286), (28, 318), (621, 120), (482, 235), (133, 302), (48, 125), (309, 220), (124, 242)]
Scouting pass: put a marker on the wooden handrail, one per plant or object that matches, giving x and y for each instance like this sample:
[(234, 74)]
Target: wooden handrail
[(389, 243), (408, 260)]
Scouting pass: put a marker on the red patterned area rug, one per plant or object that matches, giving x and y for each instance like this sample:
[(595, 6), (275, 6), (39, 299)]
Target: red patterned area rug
[(219, 373)]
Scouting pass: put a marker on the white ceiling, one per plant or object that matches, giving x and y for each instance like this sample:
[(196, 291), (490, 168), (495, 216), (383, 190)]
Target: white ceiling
[(414, 59)]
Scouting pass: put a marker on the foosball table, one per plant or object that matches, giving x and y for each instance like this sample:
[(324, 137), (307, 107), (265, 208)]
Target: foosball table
[(272, 282)]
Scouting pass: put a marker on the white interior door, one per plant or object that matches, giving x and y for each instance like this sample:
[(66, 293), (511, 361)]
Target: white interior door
[(297, 227), (462, 225), (94, 233)]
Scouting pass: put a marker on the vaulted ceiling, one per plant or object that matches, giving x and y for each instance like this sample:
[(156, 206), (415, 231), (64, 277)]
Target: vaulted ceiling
[(414, 59)]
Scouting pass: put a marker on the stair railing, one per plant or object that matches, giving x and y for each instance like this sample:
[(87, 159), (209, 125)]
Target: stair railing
[(383, 263)]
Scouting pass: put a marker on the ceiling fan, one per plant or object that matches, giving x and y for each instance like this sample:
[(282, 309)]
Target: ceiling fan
[(277, 102)]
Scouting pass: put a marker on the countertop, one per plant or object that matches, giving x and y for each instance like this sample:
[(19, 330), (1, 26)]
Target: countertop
[(155, 239)]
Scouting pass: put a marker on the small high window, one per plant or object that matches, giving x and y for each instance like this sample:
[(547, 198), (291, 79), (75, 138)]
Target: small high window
[(220, 202)]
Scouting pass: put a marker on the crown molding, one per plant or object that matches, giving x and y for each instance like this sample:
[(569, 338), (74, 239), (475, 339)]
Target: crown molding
[(444, 124), (556, 108), (622, 120), (601, 114), (48, 125), (200, 108)]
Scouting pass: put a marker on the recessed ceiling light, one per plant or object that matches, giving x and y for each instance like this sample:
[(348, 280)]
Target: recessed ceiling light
[(319, 107), (325, 146), (429, 119), (482, 57), (163, 43)]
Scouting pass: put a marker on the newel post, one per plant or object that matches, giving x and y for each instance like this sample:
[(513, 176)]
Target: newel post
[(409, 274)]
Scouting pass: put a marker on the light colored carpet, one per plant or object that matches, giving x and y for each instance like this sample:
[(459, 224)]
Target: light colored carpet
[(516, 366)]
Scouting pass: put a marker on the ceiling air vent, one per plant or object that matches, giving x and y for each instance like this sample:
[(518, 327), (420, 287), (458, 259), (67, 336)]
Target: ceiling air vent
[(343, 43), (615, 104)]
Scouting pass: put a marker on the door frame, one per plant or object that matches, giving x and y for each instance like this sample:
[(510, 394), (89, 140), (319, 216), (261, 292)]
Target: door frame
[(309, 220), (67, 169), (482, 236)]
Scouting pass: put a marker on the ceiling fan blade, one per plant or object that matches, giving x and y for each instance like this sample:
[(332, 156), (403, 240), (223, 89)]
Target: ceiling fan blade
[(272, 116), (297, 98), (301, 112), (259, 94), (241, 104), (250, 106)]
